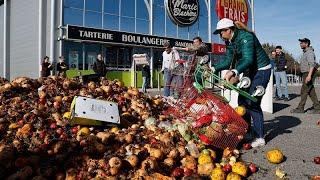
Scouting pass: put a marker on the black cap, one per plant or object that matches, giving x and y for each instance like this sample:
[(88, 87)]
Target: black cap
[(305, 40)]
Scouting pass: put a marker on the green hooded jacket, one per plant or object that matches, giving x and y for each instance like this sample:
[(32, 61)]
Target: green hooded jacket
[(244, 52)]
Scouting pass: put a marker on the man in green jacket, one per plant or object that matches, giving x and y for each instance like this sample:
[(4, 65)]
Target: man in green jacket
[(245, 55)]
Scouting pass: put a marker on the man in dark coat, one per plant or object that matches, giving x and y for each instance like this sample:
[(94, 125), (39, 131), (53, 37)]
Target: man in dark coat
[(99, 66)]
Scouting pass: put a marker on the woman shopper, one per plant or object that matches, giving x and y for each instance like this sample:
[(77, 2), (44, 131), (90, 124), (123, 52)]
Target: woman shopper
[(245, 54), (46, 67)]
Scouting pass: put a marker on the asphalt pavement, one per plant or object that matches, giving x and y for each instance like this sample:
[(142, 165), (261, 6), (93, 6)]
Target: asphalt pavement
[(296, 135)]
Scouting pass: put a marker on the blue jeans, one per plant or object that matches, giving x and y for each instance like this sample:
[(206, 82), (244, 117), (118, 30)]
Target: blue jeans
[(145, 83), (281, 79), (253, 109), (167, 80)]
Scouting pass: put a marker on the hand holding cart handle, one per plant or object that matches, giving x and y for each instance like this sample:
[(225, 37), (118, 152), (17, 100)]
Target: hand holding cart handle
[(201, 70)]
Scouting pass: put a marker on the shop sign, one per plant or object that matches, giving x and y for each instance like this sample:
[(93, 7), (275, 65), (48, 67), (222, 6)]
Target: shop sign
[(183, 12), (140, 59), (236, 10), (108, 36), (73, 59), (218, 48)]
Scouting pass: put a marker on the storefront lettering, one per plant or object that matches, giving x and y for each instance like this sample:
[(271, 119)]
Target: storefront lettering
[(143, 40), (109, 36), (180, 6), (95, 35), (182, 44), (183, 12), (236, 10)]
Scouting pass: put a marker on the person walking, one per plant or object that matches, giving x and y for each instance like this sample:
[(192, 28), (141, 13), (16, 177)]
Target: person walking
[(280, 75), (244, 54), (272, 62), (169, 56), (62, 67), (46, 67), (145, 77), (99, 67), (307, 67)]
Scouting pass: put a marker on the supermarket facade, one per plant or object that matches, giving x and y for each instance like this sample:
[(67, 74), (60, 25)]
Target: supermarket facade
[(81, 29)]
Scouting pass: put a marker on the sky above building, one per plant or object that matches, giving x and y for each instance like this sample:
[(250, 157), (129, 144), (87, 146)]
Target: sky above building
[(283, 22)]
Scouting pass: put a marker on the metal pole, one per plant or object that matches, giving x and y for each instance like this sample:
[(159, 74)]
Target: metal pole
[(61, 25), (40, 36), (252, 15), (6, 71), (52, 32)]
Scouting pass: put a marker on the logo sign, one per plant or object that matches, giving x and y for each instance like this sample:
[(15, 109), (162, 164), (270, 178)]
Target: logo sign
[(237, 10), (118, 37), (183, 12), (219, 48)]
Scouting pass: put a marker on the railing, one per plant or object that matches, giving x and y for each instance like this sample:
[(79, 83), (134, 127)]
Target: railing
[(294, 80)]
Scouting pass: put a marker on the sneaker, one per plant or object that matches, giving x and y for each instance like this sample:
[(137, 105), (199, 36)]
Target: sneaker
[(286, 99), (258, 142), (314, 111), (297, 110), (279, 98)]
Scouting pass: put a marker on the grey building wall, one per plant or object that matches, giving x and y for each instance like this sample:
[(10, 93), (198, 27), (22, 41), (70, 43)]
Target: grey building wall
[(24, 38), (1, 40)]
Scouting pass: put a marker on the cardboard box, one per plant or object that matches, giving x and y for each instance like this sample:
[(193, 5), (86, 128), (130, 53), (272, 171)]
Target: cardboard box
[(88, 111)]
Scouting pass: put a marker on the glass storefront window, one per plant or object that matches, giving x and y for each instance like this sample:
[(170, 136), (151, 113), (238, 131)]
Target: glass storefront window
[(73, 16), (111, 55), (203, 28), (111, 6), (74, 3), (111, 22), (73, 53), (142, 11), (193, 30), (127, 24), (94, 5), (93, 19), (91, 52), (142, 26), (124, 59), (182, 32), (171, 28), (118, 57), (158, 20), (128, 8)]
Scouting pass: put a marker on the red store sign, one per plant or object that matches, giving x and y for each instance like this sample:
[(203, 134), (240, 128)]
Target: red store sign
[(218, 48), (237, 10)]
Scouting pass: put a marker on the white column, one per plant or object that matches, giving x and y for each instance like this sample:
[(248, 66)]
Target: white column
[(52, 32), (40, 35), (6, 62)]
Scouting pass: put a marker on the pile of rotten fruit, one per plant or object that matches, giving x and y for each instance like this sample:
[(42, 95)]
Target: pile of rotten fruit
[(38, 142)]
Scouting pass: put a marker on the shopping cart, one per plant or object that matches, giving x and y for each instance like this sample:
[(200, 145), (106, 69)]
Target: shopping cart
[(208, 116)]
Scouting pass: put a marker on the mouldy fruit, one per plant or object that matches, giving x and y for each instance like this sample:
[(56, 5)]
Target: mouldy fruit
[(205, 169), (274, 156), (240, 110), (240, 168), (204, 159), (233, 176), (218, 174)]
